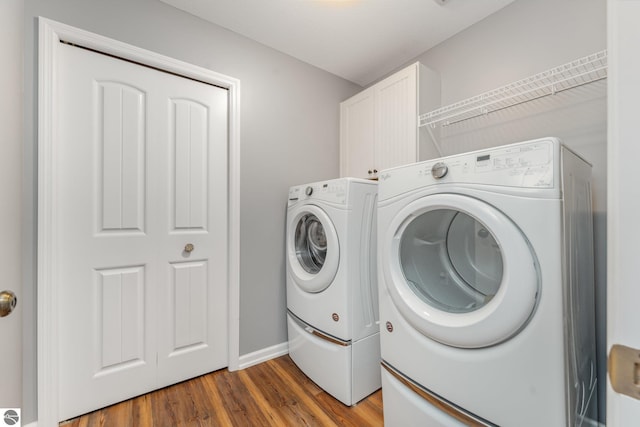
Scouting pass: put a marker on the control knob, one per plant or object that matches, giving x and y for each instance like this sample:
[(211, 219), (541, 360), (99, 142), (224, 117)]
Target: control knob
[(308, 191), (439, 170)]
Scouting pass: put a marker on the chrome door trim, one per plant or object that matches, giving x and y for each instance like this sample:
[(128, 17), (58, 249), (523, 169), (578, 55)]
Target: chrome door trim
[(319, 334), (437, 401)]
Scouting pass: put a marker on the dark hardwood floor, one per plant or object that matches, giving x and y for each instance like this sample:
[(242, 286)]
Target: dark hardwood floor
[(273, 393)]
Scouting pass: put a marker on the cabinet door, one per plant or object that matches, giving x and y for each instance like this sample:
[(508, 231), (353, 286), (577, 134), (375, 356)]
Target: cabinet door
[(396, 123), (356, 135)]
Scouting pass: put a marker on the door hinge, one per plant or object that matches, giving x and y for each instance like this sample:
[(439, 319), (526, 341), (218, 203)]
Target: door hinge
[(624, 370)]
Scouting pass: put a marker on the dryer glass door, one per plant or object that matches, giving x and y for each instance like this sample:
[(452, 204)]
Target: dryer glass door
[(459, 270), (311, 243), (451, 261), (313, 252)]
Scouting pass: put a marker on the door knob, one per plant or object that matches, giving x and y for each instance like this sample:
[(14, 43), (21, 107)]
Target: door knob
[(188, 248), (8, 301)]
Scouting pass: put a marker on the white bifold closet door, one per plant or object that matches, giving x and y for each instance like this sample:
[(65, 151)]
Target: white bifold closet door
[(143, 229)]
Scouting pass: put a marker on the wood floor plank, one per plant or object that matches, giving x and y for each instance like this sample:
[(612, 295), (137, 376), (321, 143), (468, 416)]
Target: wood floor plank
[(220, 414), (354, 417), (177, 405), (300, 378), (119, 414), (142, 411), (239, 403), (297, 409), (371, 408), (264, 401), (274, 393), (317, 415), (202, 401)]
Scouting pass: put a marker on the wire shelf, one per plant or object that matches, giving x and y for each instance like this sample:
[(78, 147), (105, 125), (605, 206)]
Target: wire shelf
[(576, 73)]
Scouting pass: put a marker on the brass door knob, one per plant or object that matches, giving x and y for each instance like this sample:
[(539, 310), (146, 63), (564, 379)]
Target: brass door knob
[(188, 248), (8, 301)]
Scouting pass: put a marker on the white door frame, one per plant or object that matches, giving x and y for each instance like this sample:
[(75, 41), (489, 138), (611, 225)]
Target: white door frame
[(12, 244), (623, 197), (50, 35)]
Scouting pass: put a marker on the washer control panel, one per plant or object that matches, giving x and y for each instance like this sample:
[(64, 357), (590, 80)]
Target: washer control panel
[(334, 191)]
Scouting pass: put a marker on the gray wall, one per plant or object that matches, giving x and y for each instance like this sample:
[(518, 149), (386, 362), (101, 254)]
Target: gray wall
[(289, 135), (523, 39)]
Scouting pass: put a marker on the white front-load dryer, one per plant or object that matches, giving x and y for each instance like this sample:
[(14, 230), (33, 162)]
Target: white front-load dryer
[(487, 289), (332, 295)]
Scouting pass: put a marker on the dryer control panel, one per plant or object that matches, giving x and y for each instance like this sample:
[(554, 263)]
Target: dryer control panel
[(535, 160), (532, 164)]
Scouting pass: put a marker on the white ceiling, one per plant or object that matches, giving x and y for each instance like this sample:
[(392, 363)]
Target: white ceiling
[(359, 40)]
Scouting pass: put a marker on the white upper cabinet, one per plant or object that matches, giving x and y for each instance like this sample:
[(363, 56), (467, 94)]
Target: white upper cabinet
[(379, 126), (357, 118)]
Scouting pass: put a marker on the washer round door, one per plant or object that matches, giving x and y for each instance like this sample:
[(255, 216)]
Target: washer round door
[(312, 248), (459, 271)]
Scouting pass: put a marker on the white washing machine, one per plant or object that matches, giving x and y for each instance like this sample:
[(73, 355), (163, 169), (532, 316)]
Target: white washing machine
[(332, 294), (487, 289)]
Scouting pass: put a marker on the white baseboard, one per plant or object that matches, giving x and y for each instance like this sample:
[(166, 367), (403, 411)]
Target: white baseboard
[(247, 360)]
